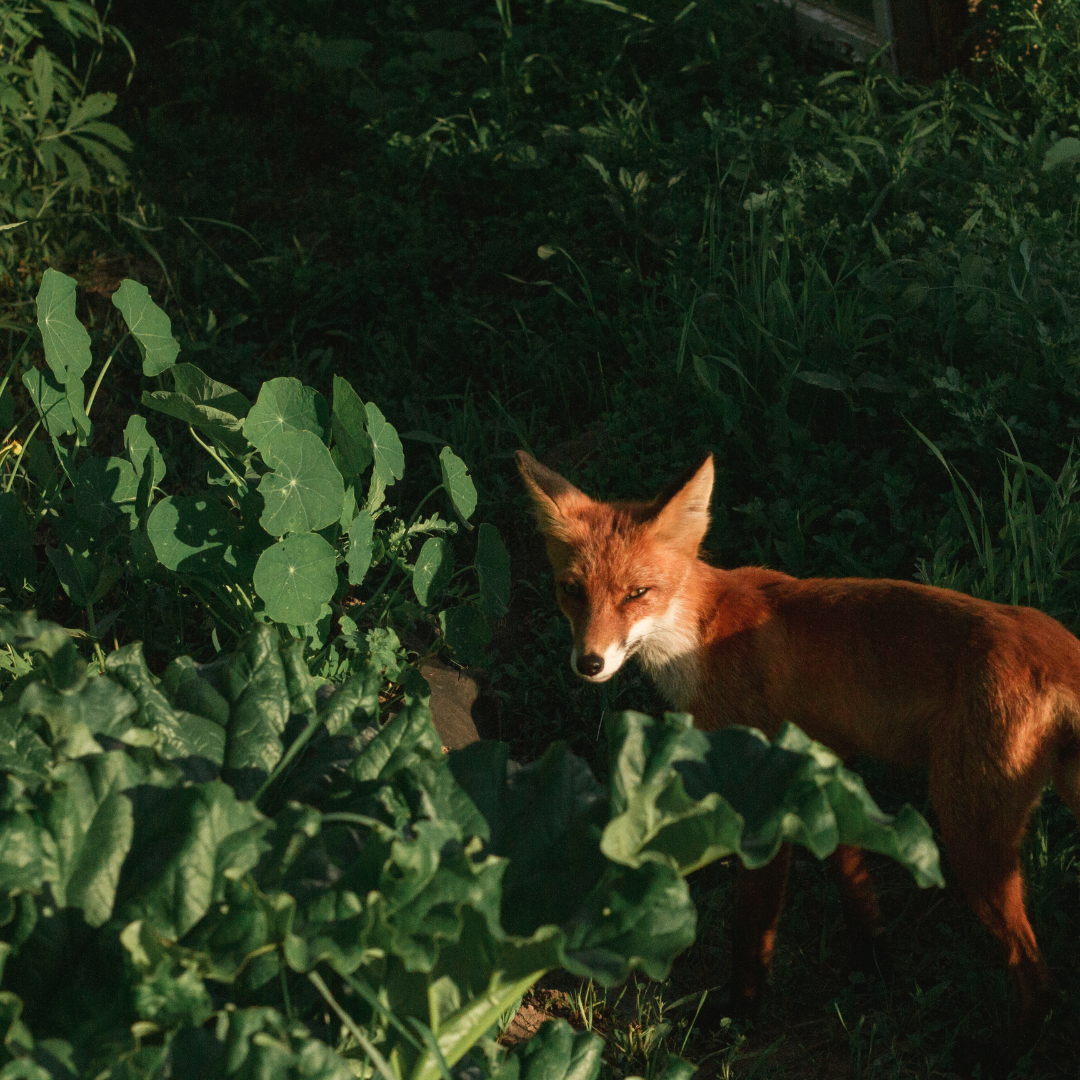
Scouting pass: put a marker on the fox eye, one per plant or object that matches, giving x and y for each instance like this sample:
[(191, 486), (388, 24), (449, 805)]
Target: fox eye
[(572, 590), (636, 594)]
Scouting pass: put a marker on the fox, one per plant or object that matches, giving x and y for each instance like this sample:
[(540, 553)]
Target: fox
[(986, 696)]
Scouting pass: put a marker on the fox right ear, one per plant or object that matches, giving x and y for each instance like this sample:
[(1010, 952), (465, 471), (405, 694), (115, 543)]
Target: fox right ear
[(554, 498)]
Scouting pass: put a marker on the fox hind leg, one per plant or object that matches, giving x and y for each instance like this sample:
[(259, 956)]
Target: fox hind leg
[(982, 834), (862, 911), (759, 899)]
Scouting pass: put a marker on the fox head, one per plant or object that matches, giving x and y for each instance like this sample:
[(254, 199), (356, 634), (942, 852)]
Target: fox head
[(621, 568)]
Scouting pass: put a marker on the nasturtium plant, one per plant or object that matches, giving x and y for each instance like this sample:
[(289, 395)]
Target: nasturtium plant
[(290, 522)]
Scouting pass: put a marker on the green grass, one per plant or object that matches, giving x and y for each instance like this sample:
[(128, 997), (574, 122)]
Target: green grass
[(617, 240)]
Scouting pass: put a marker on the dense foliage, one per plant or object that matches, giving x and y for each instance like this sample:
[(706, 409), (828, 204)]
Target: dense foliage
[(612, 234), (228, 872)]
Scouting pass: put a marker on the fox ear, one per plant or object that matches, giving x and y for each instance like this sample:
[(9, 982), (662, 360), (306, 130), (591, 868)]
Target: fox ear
[(554, 498), (681, 517)]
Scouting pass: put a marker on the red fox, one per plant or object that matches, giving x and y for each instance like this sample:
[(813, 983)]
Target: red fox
[(987, 696)]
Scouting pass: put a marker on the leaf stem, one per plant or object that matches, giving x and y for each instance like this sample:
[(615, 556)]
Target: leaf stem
[(18, 459), (366, 1044), (220, 460), (101, 373)]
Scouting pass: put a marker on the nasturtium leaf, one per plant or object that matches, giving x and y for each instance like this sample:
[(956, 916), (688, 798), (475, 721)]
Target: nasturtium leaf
[(433, 568), (102, 485), (191, 533), (466, 632), (149, 325), (295, 578), (145, 457), (458, 483), (188, 842), (386, 447), (305, 491), (67, 344), (214, 407), (493, 570), (18, 562), (285, 405), (51, 400), (85, 574), (195, 384), (352, 445), (361, 534)]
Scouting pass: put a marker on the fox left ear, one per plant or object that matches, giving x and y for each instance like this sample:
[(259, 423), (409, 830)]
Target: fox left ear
[(681, 517)]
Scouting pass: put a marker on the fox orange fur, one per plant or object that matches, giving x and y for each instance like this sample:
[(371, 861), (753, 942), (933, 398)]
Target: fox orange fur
[(987, 696)]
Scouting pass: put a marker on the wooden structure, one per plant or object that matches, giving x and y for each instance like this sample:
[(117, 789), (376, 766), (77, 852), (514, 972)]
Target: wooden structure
[(926, 37)]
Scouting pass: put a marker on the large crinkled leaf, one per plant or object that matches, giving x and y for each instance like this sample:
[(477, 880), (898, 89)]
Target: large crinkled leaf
[(286, 405), (493, 570), (23, 753), (67, 344), (686, 798), (187, 843), (149, 325), (90, 821), (458, 482), (555, 1052), (94, 706), (252, 1044), (352, 445), (23, 863), (254, 684), (188, 689), (385, 447), (305, 491), (182, 734), (191, 533), (295, 578)]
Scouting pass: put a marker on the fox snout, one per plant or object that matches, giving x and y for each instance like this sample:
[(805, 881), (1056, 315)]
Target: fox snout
[(596, 667)]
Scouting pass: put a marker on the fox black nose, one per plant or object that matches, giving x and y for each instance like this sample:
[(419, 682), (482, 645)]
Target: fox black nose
[(590, 664)]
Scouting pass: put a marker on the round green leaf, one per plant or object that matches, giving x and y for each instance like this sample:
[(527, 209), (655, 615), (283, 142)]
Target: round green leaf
[(149, 325), (285, 405), (295, 578), (458, 483), (305, 491), (190, 533), (434, 565)]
